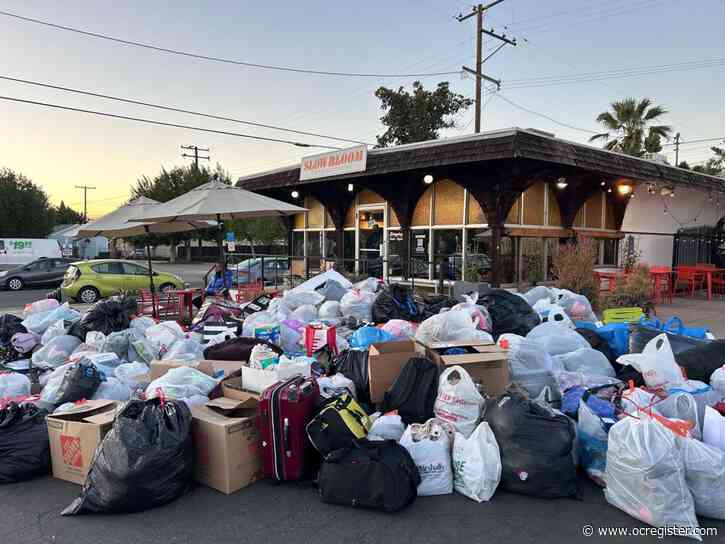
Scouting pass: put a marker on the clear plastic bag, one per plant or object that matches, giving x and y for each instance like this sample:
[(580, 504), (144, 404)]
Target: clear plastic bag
[(556, 314), (185, 351), (577, 307), (449, 326), (164, 334), (52, 385), (535, 294), (294, 366), (118, 343), (557, 339), (40, 306), (509, 340), (95, 339), (370, 284), (294, 298), (705, 477), (56, 352), (591, 443), (305, 313), (387, 427), (142, 323), (479, 314), (263, 357), (645, 474), (476, 464), (359, 304), (400, 328), (290, 333), (526, 356), (330, 310), (40, 321), (105, 362), (458, 401), (337, 384), (132, 374), (257, 319), (13, 384), (431, 453), (586, 361), (181, 382), (56, 329), (717, 381), (656, 363), (112, 389)]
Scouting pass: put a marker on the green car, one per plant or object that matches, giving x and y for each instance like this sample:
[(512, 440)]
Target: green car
[(89, 281)]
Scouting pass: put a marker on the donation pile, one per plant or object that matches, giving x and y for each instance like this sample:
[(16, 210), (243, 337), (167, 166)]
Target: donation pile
[(378, 394)]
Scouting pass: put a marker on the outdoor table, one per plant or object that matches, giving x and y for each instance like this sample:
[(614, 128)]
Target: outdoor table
[(659, 275), (707, 272), (611, 276), (186, 297)]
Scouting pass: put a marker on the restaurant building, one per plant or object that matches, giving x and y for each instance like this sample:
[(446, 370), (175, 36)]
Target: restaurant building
[(493, 206)]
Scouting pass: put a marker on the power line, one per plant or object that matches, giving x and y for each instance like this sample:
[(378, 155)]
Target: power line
[(543, 115), (162, 123), (219, 59), (174, 109), (699, 141), (85, 188)]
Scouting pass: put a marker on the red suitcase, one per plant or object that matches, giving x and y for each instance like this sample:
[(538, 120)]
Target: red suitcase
[(283, 413)]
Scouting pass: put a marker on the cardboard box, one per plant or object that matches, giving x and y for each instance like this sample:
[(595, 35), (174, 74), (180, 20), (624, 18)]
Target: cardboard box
[(227, 444), (74, 436), (486, 363), (385, 361), (222, 369), (233, 388)]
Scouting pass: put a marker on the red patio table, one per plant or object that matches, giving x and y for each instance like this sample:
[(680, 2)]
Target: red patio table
[(708, 272), (661, 275), (186, 298)]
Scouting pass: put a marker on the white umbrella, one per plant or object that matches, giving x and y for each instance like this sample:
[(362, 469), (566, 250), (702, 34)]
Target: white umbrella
[(119, 224), (217, 201)]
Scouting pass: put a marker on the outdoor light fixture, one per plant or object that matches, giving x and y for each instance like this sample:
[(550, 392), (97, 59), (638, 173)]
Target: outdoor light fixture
[(427, 179), (561, 183), (624, 189), (609, 190), (295, 194), (603, 183), (350, 187)]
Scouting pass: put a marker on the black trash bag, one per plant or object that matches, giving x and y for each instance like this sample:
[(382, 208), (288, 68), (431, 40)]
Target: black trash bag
[(433, 304), (80, 382), (414, 391), (353, 364), (598, 343), (395, 302), (509, 313), (536, 445), (9, 354), (24, 443), (237, 349), (701, 361), (146, 460), (639, 335), (332, 290), (107, 316), (9, 325)]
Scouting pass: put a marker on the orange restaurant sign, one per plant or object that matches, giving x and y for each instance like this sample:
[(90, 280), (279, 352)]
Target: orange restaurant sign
[(335, 163)]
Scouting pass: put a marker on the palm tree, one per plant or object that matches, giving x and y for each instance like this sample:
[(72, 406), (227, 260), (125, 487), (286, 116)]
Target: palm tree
[(628, 127)]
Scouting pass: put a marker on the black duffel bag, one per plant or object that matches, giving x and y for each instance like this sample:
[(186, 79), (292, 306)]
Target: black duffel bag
[(237, 349), (24, 445), (379, 475), (395, 302)]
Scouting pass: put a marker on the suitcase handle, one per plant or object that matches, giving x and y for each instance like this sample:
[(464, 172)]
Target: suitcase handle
[(286, 438)]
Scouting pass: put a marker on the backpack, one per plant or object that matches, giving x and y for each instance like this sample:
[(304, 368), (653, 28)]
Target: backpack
[(237, 349), (395, 302), (338, 424), (379, 475), (509, 312), (414, 392)]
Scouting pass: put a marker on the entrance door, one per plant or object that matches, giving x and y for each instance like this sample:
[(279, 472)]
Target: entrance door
[(371, 241)]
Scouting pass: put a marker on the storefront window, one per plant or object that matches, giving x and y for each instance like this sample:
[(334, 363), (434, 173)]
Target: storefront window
[(552, 248), (330, 244), (419, 257), (532, 260), (349, 249), (508, 254), (395, 251), (298, 244), (610, 252), (447, 253), (478, 262), (314, 251)]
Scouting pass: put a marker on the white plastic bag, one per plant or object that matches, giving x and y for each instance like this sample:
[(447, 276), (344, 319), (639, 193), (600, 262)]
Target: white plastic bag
[(40, 306), (527, 356), (556, 314), (387, 427), (586, 361), (55, 352), (479, 314), (305, 313), (185, 351), (370, 284), (535, 294), (295, 298), (330, 309), (39, 322), (645, 474), (458, 401), (142, 323), (359, 304), (431, 453), (112, 389), (705, 477), (509, 340), (52, 385), (717, 381), (400, 328), (296, 366), (290, 333), (105, 362), (591, 442), (556, 339), (13, 384), (164, 334), (262, 357), (55, 329), (713, 431), (656, 363), (337, 384), (96, 340), (132, 374), (255, 320), (476, 464), (181, 382), (449, 326)]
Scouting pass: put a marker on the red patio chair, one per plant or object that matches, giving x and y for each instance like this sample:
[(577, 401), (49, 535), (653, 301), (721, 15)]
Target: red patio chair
[(693, 279), (167, 304), (249, 291)]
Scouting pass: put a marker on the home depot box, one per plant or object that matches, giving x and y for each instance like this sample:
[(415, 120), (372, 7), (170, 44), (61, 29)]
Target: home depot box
[(74, 436), (227, 444), (486, 363), (385, 361)]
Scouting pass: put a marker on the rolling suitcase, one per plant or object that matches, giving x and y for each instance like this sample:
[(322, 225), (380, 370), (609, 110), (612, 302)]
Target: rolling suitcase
[(283, 413)]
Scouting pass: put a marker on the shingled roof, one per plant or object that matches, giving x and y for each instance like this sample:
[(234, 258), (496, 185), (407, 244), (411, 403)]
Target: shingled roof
[(503, 144)]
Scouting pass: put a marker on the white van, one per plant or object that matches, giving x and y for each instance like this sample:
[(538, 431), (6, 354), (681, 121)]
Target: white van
[(15, 251)]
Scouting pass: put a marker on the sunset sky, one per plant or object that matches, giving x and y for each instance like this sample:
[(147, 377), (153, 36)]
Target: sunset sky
[(61, 149)]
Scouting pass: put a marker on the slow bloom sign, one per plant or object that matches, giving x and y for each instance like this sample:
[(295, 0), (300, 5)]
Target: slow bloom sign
[(335, 163)]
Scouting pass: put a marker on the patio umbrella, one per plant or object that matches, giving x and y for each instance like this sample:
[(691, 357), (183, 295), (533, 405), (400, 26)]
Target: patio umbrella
[(119, 224), (217, 201)]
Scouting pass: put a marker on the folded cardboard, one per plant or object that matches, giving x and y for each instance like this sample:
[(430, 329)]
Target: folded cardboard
[(222, 369), (74, 436), (385, 361), (486, 363), (227, 444)]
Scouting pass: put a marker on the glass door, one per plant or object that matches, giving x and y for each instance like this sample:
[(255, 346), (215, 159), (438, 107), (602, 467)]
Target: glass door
[(371, 241)]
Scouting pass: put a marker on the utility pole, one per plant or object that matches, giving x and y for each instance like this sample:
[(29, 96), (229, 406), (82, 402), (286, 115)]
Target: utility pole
[(677, 149), (479, 11), (85, 188), (196, 155)]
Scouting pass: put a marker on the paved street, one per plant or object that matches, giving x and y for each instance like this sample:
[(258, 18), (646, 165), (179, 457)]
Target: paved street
[(265, 512)]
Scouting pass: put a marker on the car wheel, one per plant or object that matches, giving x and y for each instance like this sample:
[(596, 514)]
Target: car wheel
[(166, 287), (88, 295), (15, 284)]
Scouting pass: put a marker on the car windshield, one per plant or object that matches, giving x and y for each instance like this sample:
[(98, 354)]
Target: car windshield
[(248, 263)]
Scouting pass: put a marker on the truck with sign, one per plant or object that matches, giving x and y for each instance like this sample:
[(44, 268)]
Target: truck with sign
[(15, 251)]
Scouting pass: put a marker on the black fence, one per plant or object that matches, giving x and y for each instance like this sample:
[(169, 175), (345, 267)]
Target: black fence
[(699, 245)]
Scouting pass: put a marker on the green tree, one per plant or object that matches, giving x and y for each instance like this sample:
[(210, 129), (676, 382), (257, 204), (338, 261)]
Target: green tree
[(65, 215), (418, 116), (630, 129), (258, 230), (25, 209)]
